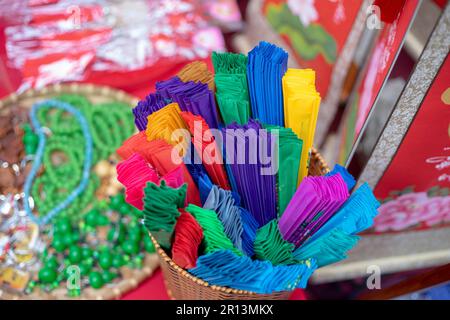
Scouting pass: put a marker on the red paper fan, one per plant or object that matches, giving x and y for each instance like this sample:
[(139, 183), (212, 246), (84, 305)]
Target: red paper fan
[(188, 237)]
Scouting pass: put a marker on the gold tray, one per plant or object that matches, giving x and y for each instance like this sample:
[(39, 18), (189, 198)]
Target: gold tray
[(95, 94)]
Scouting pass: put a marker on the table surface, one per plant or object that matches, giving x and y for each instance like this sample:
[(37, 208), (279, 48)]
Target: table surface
[(151, 289)]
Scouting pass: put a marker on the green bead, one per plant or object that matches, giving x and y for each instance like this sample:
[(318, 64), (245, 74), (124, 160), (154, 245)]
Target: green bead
[(63, 226), (122, 233), (95, 280), (47, 275), (136, 238), (68, 240), (130, 247), (31, 139), (124, 208), (103, 205), (91, 217), (108, 276), (59, 244), (51, 263), (132, 224), (75, 254), (88, 262), (116, 201), (105, 260), (55, 284), (75, 237), (83, 227), (85, 268), (86, 252), (101, 220), (117, 261), (135, 228), (135, 234)]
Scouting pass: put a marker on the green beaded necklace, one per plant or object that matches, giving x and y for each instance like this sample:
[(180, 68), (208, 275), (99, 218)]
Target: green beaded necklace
[(110, 124)]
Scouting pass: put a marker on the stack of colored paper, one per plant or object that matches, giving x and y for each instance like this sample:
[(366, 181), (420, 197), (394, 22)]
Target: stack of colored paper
[(337, 236), (270, 245), (161, 204), (194, 97), (137, 143), (135, 172), (153, 102), (214, 234), (231, 83), (187, 239), (289, 149), (314, 203), (255, 181), (267, 64), (197, 71), (301, 108), (163, 123), (223, 268), (205, 145), (239, 224), (159, 154)]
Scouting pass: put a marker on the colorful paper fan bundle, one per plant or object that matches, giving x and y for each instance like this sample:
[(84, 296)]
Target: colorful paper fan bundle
[(240, 210)]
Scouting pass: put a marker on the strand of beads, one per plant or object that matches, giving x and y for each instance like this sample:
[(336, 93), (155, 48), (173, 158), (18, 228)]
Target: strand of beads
[(77, 208), (112, 122), (63, 171), (68, 168), (41, 132), (109, 125)]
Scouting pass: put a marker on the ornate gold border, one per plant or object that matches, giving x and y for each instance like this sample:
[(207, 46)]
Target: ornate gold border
[(409, 103)]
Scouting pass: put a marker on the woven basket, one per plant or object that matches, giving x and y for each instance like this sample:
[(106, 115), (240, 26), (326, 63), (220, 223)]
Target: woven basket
[(181, 285), (95, 94)]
